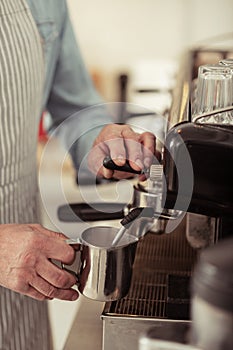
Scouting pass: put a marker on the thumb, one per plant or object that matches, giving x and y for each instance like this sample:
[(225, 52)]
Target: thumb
[(52, 234)]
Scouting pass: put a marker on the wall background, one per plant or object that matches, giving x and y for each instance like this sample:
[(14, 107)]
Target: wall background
[(114, 35)]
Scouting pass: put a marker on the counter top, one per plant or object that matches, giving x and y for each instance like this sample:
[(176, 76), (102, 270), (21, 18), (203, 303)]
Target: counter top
[(86, 330)]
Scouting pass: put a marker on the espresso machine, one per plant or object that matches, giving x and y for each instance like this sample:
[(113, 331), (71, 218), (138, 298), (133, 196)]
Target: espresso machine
[(198, 174), (196, 193)]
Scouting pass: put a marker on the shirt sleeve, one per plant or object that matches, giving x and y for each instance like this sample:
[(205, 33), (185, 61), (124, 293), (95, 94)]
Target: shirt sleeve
[(77, 111)]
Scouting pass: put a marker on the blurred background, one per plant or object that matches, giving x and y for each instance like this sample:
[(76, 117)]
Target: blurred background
[(115, 36)]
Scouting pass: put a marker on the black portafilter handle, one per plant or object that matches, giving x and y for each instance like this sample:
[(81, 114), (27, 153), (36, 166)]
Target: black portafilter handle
[(76, 212), (108, 163), (136, 213)]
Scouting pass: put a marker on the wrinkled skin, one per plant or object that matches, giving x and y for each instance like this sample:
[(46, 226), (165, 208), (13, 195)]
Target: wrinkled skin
[(120, 142), (25, 265), (27, 250)]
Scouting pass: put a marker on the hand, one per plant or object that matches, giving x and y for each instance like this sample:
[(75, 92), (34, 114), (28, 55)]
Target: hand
[(120, 142), (25, 265)]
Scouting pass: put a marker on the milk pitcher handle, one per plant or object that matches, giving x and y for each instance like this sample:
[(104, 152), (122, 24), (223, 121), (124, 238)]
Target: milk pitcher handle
[(77, 262), (73, 241)]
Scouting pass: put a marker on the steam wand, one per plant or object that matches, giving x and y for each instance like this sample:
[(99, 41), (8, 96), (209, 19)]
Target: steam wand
[(128, 220)]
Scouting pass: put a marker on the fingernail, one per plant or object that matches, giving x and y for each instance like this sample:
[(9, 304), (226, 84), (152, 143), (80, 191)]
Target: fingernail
[(139, 163), (74, 296), (120, 159)]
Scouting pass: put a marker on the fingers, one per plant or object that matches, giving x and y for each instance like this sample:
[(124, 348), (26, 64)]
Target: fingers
[(49, 233), (95, 162), (54, 275), (140, 149), (109, 142), (49, 291), (51, 282), (125, 145), (148, 141), (113, 142), (59, 250), (51, 245), (28, 268), (33, 293), (120, 142), (30, 283)]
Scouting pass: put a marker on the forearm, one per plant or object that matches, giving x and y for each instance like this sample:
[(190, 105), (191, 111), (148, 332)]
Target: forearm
[(77, 111)]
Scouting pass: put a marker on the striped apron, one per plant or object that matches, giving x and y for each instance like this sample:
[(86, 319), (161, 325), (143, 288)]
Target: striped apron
[(24, 321)]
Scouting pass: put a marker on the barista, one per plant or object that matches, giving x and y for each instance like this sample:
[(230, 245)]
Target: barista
[(41, 68)]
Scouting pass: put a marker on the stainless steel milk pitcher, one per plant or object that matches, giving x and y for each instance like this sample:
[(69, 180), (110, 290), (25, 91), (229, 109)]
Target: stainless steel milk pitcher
[(104, 271)]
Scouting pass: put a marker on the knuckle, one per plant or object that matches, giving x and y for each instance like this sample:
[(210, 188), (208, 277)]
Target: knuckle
[(135, 156), (148, 134), (63, 280), (33, 240), (38, 296), (128, 132), (70, 254), (28, 259), (51, 292), (19, 283)]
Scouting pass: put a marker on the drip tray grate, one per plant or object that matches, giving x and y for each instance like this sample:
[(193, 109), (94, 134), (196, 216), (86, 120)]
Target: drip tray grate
[(162, 263), (146, 298)]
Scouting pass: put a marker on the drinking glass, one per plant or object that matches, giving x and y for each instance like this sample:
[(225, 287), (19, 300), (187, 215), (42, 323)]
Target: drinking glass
[(227, 62), (214, 92)]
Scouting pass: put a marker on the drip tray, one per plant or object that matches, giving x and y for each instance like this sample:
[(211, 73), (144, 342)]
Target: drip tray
[(159, 292)]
